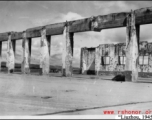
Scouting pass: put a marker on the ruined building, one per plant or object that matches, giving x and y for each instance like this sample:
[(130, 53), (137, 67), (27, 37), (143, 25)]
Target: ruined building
[(104, 58), (111, 59)]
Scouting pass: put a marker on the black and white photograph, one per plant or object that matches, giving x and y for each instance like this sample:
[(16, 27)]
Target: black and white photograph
[(76, 59)]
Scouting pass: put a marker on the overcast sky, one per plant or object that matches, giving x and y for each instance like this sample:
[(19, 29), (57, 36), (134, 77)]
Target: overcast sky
[(20, 15)]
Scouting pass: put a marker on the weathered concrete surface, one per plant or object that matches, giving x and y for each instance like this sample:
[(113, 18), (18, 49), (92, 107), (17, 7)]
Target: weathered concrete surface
[(84, 59), (88, 61), (132, 48), (10, 55), (44, 53), (15, 36), (120, 52), (67, 54), (143, 51), (115, 51), (97, 59), (143, 15), (26, 55), (80, 94), (113, 20)]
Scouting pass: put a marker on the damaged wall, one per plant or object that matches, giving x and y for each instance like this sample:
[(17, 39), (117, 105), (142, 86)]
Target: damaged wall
[(111, 58), (107, 57), (87, 63)]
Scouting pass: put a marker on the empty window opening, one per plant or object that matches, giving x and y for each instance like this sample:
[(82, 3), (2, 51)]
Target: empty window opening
[(121, 60), (105, 60)]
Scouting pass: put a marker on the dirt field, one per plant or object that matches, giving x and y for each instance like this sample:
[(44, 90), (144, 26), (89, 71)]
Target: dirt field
[(77, 95)]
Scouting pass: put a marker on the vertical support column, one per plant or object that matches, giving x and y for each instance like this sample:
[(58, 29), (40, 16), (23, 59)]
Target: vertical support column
[(26, 55), (132, 49), (0, 54), (44, 54), (67, 56), (10, 55)]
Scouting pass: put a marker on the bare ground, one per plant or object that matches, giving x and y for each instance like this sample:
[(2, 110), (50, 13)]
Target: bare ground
[(80, 94)]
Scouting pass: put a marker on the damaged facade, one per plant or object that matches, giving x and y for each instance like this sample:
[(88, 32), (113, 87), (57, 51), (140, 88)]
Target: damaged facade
[(110, 59)]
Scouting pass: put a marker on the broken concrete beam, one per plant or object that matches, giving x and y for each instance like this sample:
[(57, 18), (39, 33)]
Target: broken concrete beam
[(10, 55), (143, 15), (14, 36), (55, 29), (67, 55), (34, 32), (3, 36), (26, 54), (132, 49), (113, 20), (44, 54), (81, 25)]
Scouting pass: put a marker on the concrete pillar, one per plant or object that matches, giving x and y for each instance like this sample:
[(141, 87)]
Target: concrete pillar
[(132, 49), (26, 54), (10, 55), (67, 56), (44, 54), (0, 54)]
